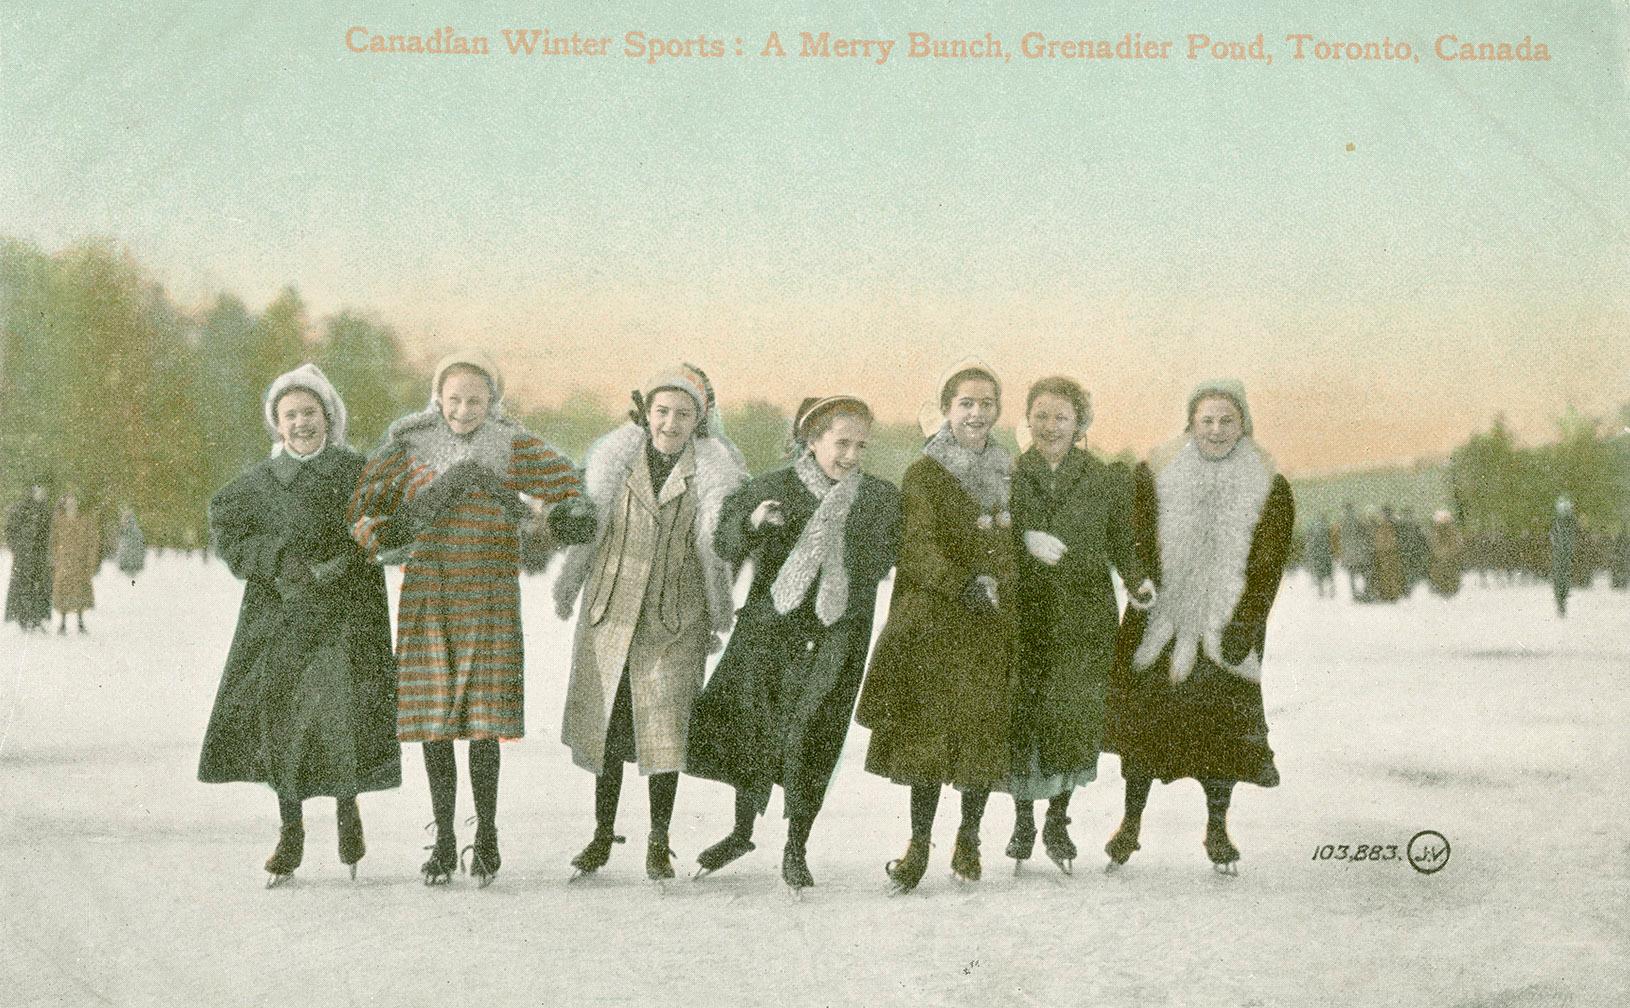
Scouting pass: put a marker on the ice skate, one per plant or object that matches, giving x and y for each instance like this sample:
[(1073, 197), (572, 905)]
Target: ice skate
[(484, 859), (352, 847), (1055, 838), (722, 853), (1123, 843), (438, 870), (1023, 842), (659, 866), (905, 872), (965, 857), (795, 870), (1221, 850), (595, 855), (291, 847)]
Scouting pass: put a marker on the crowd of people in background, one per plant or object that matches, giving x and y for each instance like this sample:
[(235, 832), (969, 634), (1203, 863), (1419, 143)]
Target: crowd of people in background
[(1388, 553), (56, 553)]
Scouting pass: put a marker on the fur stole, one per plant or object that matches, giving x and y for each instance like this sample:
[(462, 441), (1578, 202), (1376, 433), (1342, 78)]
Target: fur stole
[(719, 472), (819, 550), (987, 477), (1207, 517)]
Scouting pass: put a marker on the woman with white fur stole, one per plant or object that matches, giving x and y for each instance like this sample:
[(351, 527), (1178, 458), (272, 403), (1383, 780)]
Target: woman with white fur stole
[(1214, 521), (656, 600), (822, 534), (938, 696), (441, 495)]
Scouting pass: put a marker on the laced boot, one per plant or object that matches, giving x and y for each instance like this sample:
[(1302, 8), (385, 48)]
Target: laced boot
[(1055, 837), (659, 866), (597, 853), (349, 820), (965, 856), (908, 870), (1125, 840), (722, 853)]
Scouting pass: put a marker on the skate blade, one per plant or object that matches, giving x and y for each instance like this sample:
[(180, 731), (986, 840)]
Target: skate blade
[(483, 881), (1230, 869), (578, 875), (795, 893), (273, 879), (701, 873), (661, 886), (1065, 865), (1113, 867), (353, 872)]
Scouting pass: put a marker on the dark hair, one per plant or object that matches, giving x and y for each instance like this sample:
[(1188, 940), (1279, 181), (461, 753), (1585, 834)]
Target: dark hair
[(948, 390), (821, 421), (462, 368), (328, 421), (1064, 388)]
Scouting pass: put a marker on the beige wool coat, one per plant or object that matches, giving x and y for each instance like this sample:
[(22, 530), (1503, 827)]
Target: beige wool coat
[(650, 591)]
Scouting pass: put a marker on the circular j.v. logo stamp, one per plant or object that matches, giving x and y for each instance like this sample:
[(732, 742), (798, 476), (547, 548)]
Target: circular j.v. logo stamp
[(1428, 851)]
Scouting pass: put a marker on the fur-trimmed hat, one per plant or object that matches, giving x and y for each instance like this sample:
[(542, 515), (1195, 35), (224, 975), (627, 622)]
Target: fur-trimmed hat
[(469, 357), (1231, 389), (309, 378)]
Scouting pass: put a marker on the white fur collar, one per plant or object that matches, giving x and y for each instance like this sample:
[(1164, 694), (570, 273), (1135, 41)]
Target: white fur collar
[(426, 436), (719, 472), (818, 553), (1208, 513), (987, 476)]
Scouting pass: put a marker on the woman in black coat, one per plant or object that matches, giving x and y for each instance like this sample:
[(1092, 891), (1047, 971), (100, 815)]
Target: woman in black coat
[(307, 704), (777, 709), (1072, 515), (1214, 521)]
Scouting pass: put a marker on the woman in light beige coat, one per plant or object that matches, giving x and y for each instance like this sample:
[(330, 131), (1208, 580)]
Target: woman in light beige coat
[(656, 599)]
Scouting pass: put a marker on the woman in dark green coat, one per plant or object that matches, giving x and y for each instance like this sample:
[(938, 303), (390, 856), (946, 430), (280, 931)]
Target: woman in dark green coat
[(1072, 517), (777, 709), (307, 704), (938, 695)]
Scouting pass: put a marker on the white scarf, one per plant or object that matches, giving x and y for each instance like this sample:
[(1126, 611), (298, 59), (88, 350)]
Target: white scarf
[(1208, 513), (819, 550), (987, 476)]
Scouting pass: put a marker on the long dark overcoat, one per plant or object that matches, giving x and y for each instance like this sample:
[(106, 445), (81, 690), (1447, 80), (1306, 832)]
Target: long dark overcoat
[(938, 695), (28, 536), (777, 708), (1068, 615), (1212, 724), (307, 703)]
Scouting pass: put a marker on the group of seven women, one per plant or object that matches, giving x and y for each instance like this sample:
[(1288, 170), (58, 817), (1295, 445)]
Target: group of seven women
[(1004, 663)]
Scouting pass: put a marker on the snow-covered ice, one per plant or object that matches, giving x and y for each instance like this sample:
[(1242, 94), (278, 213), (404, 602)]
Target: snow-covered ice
[(123, 881)]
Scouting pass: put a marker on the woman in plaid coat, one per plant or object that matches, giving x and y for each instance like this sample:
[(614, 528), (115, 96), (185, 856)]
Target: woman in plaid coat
[(442, 493), (656, 600)]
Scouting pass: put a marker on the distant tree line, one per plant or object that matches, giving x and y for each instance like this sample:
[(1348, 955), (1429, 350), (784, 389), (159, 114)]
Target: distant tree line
[(109, 387)]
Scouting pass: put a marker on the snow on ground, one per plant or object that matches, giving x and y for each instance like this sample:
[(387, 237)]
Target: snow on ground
[(123, 881)]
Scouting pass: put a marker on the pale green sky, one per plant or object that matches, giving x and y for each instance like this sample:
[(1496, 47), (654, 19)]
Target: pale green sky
[(801, 226)]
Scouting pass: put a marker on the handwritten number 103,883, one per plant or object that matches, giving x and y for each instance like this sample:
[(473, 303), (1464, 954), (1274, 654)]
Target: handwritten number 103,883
[(1363, 852)]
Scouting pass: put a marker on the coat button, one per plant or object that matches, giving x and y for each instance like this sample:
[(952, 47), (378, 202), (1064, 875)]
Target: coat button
[(809, 645)]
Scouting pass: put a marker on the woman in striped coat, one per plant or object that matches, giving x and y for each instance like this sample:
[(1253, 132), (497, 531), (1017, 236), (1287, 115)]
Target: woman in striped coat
[(441, 494)]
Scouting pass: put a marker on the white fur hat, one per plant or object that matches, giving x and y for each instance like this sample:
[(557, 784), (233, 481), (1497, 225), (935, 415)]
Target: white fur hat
[(311, 378)]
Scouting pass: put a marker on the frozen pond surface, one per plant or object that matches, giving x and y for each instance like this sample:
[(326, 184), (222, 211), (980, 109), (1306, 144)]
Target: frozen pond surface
[(125, 882)]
